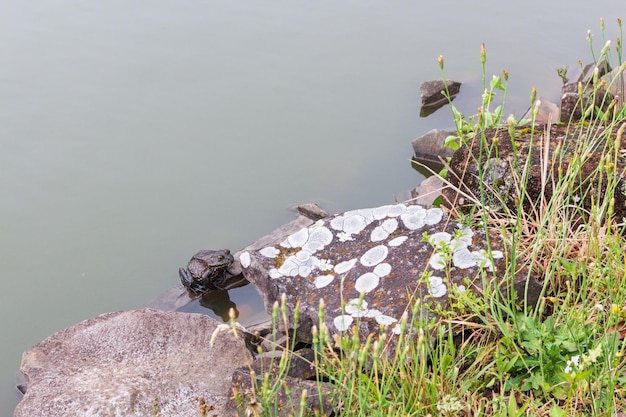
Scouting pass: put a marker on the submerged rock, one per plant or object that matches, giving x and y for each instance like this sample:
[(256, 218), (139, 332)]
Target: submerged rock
[(132, 363), (370, 266)]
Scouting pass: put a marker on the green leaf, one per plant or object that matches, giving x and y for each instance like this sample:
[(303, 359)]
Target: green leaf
[(452, 142), (557, 411), (511, 407), (496, 82)]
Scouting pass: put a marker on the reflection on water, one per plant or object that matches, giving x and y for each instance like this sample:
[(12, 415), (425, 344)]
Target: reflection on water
[(134, 133), (246, 305)]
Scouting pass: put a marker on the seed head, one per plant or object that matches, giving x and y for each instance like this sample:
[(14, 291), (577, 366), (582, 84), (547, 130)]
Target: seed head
[(440, 60), (605, 48)]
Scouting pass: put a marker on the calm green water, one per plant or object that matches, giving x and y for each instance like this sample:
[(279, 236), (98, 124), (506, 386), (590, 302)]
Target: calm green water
[(133, 134)]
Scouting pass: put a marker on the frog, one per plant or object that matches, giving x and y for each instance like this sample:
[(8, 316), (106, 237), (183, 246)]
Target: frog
[(203, 268)]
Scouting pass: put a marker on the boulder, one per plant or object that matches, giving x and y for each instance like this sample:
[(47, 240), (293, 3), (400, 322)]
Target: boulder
[(430, 148), (497, 172), (132, 363), (292, 381), (548, 112), (432, 94), (369, 266), (571, 100), (427, 192)]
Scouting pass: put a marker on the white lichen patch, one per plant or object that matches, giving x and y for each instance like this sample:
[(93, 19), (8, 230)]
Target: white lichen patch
[(366, 213), (319, 237), (366, 282), (375, 255), (274, 274), (413, 218), (437, 261), (462, 238), (245, 259), (389, 211), (323, 280), (356, 308), (437, 288), (350, 224), (324, 265), (382, 269), (343, 322), (345, 266), (464, 259), (269, 252), (433, 216), (383, 231), (344, 237), (484, 261), (440, 239), (302, 263), (385, 320), (397, 241), (297, 239)]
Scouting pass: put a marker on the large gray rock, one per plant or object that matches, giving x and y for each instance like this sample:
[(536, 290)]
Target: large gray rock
[(491, 169), (390, 255), (133, 363)]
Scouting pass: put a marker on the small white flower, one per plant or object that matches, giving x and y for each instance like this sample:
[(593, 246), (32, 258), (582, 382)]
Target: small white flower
[(572, 363)]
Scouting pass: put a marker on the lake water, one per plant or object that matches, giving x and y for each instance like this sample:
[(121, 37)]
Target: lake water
[(133, 134)]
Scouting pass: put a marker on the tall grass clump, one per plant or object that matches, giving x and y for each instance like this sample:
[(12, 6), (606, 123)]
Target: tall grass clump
[(494, 351)]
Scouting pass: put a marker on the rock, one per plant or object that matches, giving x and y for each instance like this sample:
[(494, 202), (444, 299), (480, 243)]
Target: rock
[(571, 101), (427, 192), (297, 377), (548, 112), (432, 97), (132, 363), (430, 147), (390, 255), (499, 178)]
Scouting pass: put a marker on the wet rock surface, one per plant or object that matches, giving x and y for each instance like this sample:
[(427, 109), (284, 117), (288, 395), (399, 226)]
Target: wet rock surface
[(132, 363), (389, 256)]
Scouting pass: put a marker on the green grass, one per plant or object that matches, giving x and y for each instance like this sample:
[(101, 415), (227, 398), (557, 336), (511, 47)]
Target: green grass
[(486, 355)]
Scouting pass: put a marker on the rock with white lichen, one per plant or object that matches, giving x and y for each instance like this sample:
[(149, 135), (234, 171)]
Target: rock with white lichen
[(369, 266)]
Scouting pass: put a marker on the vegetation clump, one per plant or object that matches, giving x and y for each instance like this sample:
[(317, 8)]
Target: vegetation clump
[(494, 352)]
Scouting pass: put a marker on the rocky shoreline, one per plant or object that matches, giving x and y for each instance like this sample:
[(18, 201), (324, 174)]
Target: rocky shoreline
[(381, 260)]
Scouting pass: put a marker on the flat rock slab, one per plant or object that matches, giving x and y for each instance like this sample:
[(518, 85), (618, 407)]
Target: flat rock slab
[(132, 363), (390, 256)]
